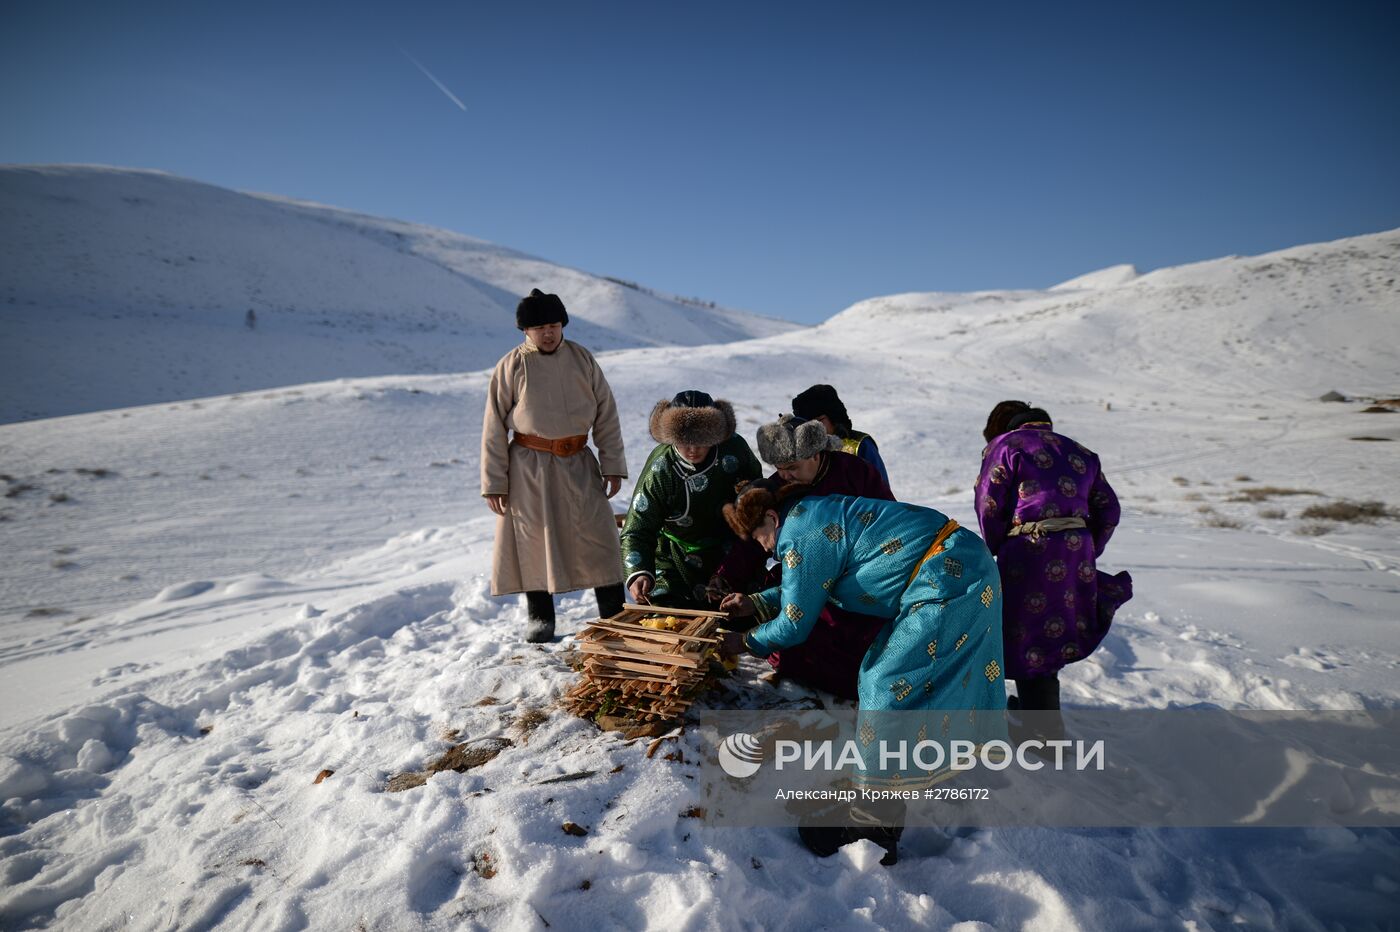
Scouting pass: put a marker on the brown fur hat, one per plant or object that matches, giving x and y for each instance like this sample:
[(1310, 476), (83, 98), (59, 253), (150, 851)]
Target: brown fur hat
[(755, 500), (692, 417)]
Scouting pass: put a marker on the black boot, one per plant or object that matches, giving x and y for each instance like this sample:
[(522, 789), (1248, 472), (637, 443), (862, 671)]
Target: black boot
[(539, 627), (881, 822), (1039, 693), (1040, 710), (610, 600)]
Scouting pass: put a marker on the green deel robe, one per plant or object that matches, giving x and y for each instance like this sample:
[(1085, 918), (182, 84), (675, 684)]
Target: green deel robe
[(675, 530)]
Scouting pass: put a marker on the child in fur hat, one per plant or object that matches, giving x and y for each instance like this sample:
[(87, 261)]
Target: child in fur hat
[(675, 533), (821, 403)]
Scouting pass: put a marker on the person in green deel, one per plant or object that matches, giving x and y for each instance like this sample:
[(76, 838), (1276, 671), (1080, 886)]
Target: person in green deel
[(675, 534)]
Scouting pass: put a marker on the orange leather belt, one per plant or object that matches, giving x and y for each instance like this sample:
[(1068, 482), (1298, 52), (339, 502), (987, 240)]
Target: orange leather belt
[(567, 446), (934, 549)]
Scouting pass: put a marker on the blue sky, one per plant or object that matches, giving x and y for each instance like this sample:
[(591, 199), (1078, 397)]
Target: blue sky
[(786, 159)]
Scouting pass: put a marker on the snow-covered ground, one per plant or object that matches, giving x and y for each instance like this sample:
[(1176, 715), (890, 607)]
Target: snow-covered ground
[(262, 586), (122, 287)]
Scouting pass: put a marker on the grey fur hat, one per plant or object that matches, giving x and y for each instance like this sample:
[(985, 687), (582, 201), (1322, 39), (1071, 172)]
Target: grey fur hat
[(692, 417), (789, 439)]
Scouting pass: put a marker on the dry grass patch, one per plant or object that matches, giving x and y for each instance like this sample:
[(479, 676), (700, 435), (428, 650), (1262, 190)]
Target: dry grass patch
[(1273, 514), (1219, 520), (1349, 512), (1266, 493)]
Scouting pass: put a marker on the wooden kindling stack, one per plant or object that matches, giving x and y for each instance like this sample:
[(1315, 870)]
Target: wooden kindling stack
[(647, 674)]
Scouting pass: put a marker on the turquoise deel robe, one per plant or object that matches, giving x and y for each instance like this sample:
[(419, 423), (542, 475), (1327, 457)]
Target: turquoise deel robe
[(939, 657)]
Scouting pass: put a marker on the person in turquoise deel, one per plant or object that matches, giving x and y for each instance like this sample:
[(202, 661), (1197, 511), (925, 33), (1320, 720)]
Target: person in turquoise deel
[(939, 655), (675, 534)]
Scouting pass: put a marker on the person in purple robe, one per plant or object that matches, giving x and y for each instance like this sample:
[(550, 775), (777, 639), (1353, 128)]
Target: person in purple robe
[(1046, 512), (806, 457)]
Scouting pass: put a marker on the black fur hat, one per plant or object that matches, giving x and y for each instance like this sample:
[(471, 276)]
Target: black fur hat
[(692, 417), (537, 309), (819, 400)]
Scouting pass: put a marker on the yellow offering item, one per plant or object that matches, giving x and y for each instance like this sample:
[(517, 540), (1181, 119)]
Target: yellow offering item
[(662, 622)]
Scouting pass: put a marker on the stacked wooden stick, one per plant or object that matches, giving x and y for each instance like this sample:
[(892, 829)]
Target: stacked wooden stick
[(647, 674)]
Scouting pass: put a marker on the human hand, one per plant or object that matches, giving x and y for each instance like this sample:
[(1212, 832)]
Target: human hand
[(641, 590), (611, 484), (498, 503), (737, 605)]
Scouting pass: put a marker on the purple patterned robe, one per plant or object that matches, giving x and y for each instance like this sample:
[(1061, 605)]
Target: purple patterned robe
[(1058, 606)]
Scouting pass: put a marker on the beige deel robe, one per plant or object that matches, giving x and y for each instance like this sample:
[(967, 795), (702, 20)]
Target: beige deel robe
[(559, 533)]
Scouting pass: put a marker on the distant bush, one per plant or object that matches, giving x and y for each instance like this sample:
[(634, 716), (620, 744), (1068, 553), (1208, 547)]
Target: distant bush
[(1350, 512), (1272, 514), (1316, 529), (1218, 520), (1264, 493)]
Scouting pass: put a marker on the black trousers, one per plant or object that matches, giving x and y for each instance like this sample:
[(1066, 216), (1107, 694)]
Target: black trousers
[(540, 604)]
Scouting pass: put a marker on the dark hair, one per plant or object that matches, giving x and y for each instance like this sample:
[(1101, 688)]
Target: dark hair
[(822, 400), (756, 499), (1008, 415)]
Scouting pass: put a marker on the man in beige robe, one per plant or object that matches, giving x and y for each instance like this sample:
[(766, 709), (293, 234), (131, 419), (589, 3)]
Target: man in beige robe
[(555, 531)]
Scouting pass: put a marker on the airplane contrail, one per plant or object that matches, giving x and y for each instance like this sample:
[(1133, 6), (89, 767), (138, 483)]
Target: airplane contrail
[(440, 86)]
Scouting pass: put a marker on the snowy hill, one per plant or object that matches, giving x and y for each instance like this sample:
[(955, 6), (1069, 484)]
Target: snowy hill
[(122, 287), (1291, 324), (1103, 278), (190, 631)]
